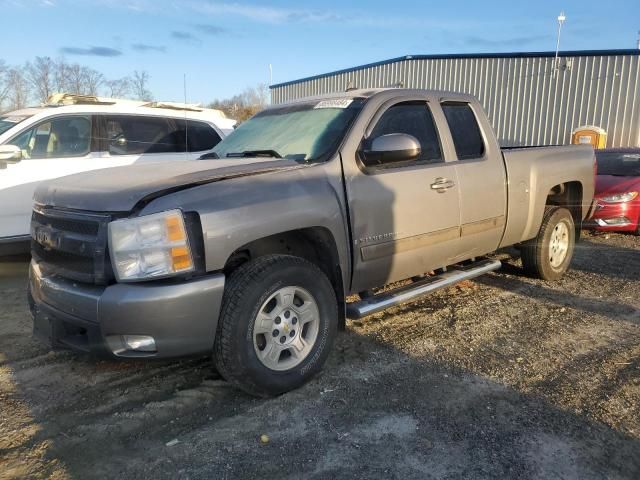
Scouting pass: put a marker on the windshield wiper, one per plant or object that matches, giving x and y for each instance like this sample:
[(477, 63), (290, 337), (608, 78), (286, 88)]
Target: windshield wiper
[(208, 156), (254, 153)]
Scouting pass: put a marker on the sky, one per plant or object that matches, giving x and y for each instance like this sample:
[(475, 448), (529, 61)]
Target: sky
[(225, 46)]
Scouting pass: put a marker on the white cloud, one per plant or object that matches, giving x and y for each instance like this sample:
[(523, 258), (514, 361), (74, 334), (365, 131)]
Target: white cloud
[(261, 13)]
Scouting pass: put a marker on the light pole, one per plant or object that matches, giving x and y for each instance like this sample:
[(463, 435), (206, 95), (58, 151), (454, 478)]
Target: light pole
[(561, 19), (270, 82)]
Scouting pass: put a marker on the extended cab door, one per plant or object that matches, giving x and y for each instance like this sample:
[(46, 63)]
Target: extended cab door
[(481, 178), (404, 217)]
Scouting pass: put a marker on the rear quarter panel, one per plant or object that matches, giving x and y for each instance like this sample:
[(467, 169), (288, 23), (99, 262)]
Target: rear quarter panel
[(532, 173)]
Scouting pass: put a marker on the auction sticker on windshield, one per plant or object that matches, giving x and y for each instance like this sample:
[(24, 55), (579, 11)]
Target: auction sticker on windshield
[(334, 103)]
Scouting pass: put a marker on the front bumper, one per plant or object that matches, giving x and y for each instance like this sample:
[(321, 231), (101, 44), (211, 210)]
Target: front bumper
[(615, 217), (181, 317)]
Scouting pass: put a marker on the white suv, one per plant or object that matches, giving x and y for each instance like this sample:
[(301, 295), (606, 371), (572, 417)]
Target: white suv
[(72, 134)]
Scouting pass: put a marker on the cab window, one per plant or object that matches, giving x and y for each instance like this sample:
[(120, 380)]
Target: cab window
[(412, 118), (60, 137), (465, 131)]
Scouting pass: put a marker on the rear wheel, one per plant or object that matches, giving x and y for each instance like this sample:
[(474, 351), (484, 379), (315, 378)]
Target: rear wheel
[(278, 321), (549, 254)]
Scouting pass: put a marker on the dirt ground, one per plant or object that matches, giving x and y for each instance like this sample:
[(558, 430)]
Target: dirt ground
[(504, 377)]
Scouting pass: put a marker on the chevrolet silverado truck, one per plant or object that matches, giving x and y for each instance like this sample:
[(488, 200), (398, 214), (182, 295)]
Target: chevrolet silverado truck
[(249, 255)]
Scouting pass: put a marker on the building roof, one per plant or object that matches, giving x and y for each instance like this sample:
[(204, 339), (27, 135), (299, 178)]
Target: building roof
[(569, 53)]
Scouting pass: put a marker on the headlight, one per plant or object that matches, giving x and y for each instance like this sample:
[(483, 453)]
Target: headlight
[(620, 197), (150, 246)]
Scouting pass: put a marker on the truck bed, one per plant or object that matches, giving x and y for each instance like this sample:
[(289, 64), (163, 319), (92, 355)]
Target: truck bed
[(532, 173)]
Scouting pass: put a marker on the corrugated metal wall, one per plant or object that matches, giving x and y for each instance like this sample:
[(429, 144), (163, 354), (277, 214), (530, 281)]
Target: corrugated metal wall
[(527, 102)]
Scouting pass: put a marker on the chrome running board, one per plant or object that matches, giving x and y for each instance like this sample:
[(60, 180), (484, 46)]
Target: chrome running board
[(408, 293)]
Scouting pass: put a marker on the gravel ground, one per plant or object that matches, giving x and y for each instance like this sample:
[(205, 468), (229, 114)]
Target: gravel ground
[(503, 377)]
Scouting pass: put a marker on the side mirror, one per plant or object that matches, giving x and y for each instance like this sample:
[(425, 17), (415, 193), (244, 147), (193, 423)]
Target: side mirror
[(391, 148), (10, 154)]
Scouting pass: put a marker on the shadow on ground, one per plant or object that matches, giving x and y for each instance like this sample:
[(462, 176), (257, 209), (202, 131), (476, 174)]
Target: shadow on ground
[(504, 378)]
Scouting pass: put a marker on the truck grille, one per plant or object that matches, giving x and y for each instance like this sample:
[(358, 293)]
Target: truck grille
[(71, 244)]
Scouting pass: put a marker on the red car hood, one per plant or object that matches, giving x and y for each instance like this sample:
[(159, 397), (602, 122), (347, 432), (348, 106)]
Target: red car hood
[(610, 184)]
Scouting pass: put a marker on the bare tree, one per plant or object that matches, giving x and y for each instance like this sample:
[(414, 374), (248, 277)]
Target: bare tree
[(4, 84), (75, 79), (118, 88), (92, 80), (256, 96), (139, 86), (41, 75), (61, 76), (18, 89), (246, 104)]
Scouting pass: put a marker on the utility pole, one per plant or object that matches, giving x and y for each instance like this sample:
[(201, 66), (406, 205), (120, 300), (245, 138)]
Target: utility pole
[(561, 19)]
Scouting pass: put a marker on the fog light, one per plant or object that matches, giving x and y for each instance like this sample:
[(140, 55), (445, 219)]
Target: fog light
[(139, 343), (617, 221)]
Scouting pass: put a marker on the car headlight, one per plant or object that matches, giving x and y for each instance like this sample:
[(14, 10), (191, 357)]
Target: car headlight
[(619, 197), (150, 246)]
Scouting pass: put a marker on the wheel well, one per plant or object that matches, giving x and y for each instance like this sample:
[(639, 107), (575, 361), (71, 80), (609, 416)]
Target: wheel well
[(568, 195), (314, 244)]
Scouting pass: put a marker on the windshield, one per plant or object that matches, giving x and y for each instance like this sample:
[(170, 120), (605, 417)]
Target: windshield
[(304, 132), (624, 164), (8, 121)]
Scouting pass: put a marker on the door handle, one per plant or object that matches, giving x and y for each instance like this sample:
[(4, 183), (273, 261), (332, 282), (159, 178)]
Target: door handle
[(442, 184)]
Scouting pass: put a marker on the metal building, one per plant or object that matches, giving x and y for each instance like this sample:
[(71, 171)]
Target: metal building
[(530, 99)]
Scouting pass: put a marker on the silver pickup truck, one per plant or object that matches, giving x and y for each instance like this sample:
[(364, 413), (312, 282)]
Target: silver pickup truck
[(250, 255)]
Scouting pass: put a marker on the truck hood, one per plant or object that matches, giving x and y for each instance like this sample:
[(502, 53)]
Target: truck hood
[(611, 184), (120, 189)]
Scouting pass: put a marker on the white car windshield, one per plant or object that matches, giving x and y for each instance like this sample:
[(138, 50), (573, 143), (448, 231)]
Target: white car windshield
[(9, 121)]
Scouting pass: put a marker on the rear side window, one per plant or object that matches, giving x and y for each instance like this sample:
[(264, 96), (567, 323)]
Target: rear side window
[(201, 136), (412, 118), (136, 135), (465, 131)]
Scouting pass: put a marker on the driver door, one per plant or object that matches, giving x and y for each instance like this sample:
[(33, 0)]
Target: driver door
[(404, 218)]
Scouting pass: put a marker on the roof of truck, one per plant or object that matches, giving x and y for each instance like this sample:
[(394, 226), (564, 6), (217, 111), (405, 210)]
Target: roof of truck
[(371, 92)]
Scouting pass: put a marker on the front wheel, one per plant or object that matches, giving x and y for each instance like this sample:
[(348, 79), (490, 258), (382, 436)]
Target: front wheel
[(549, 254), (278, 321)]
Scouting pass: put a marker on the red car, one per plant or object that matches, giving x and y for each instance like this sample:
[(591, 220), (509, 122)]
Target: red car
[(618, 191)]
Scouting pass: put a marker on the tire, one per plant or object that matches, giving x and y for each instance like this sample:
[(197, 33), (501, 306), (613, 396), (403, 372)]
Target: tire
[(257, 295), (549, 254)]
